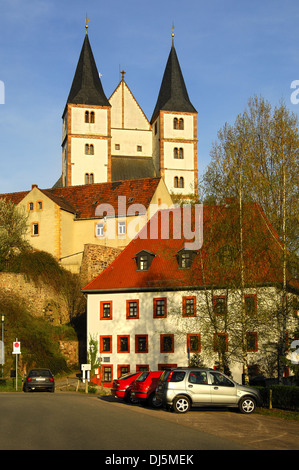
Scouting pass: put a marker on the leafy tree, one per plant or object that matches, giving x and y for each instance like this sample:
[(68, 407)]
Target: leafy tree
[(13, 228), (92, 355), (256, 159), (263, 146)]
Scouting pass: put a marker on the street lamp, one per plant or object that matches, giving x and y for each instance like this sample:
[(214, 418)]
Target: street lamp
[(2, 340)]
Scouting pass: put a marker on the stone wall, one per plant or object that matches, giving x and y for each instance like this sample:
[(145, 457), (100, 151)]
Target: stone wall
[(41, 299), (70, 350), (95, 259)]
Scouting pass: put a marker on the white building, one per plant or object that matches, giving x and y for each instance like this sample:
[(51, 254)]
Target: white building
[(159, 303)]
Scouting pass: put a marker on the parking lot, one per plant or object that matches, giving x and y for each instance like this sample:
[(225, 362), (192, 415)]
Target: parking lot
[(255, 430)]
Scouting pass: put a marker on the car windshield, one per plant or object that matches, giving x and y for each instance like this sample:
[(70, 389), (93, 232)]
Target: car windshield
[(142, 377), (126, 376), (40, 372)]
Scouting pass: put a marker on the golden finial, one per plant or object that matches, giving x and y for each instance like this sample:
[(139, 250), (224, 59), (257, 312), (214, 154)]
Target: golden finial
[(172, 34), (86, 24), (123, 75)]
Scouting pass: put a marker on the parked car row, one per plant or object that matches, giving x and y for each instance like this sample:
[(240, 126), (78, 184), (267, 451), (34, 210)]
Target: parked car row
[(183, 388), (139, 387)]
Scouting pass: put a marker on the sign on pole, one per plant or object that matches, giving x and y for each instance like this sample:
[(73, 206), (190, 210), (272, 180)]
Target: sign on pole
[(2, 353), (16, 347), (16, 350)]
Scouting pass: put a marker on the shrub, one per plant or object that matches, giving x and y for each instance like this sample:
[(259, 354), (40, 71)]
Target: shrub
[(39, 339), (285, 397)]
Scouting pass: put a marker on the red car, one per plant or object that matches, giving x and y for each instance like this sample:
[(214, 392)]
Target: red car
[(121, 387), (144, 388)]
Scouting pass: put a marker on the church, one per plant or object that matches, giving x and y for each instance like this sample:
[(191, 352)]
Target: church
[(109, 150), (106, 140)]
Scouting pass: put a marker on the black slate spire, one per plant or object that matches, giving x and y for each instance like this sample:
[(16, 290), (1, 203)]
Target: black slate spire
[(173, 95), (87, 87)]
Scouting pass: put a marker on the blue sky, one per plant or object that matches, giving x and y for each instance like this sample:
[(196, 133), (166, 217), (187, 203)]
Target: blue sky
[(229, 50)]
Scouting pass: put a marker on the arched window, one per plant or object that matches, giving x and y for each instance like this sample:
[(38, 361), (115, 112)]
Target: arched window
[(181, 182), (178, 123), (89, 149), (178, 153), (176, 182), (89, 117), (89, 178)]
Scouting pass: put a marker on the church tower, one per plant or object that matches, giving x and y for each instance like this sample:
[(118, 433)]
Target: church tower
[(86, 135), (174, 124)]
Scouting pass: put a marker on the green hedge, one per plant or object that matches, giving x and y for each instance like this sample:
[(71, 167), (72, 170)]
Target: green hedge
[(285, 397)]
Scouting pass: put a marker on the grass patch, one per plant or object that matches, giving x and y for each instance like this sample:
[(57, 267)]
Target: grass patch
[(277, 413)]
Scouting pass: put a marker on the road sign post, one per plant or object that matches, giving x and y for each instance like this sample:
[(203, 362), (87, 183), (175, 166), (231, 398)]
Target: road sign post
[(16, 350)]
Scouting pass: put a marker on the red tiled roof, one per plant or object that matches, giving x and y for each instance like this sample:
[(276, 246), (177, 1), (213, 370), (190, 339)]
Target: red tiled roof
[(262, 255), (14, 197), (83, 200)]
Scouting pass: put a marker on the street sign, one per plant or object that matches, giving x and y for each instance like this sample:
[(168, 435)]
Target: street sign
[(16, 347), (2, 353)]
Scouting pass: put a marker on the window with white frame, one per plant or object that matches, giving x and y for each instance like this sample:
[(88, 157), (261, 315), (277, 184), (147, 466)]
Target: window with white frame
[(121, 228)]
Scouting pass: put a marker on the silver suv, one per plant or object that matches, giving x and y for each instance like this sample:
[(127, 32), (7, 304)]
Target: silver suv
[(182, 388)]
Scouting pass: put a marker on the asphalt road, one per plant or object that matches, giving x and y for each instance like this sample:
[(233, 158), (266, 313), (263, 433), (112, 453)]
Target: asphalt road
[(70, 421), (75, 421)]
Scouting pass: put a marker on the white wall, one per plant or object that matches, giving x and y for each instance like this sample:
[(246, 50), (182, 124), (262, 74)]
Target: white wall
[(173, 324)]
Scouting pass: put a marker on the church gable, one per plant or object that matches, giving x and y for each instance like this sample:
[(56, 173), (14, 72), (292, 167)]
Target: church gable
[(126, 112)]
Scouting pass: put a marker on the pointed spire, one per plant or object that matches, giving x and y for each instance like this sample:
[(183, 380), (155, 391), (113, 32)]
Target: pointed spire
[(86, 24), (87, 87), (173, 95)]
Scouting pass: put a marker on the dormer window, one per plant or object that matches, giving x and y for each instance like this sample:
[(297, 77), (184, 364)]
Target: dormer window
[(144, 260), (185, 258)]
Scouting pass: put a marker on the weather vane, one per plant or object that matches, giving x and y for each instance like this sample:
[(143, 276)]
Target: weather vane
[(86, 23)]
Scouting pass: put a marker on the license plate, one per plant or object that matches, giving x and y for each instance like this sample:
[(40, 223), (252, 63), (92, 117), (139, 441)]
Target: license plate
[(41, 379)]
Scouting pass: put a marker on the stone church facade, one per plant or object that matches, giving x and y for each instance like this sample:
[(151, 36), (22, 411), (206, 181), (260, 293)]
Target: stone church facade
[(111, 139)]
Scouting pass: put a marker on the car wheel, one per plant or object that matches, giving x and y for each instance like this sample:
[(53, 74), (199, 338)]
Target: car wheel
[(181, 405), (154, 401), (247, 405), (131, 399)]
